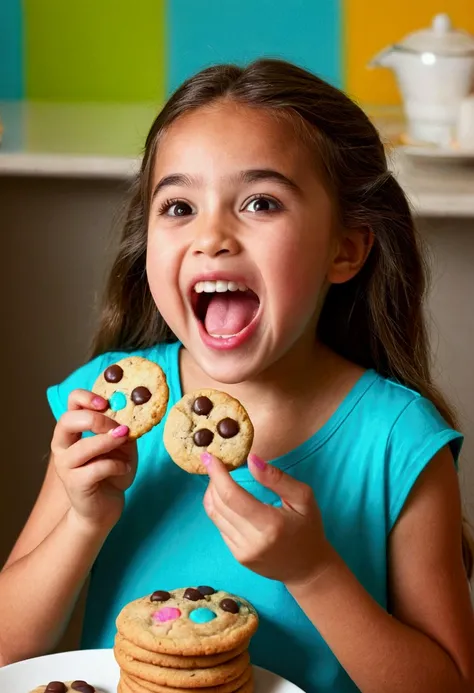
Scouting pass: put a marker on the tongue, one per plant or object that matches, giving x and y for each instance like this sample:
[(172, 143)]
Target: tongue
[(228, 313)]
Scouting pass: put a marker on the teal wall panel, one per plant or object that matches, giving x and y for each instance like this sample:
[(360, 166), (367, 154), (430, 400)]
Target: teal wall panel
[(11, 49), (205, 32)]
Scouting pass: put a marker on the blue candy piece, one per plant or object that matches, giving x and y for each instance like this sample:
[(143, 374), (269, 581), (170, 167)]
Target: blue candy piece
[(202, 615), (118, 401)]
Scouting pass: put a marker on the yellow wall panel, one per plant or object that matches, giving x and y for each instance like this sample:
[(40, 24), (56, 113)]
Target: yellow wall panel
[(370, 25)]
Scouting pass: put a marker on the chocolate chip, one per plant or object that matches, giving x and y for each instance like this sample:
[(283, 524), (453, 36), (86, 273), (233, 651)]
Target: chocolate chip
[(206, 590), (202, 406), (56, 687), (113, 374), (203, 437), (227, 428), (229, 605), (160, 596), (140, 395), (193, 594), (82, 687)]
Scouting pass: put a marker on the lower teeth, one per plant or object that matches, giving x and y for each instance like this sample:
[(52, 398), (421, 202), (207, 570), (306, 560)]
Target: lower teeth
[(222, 336)]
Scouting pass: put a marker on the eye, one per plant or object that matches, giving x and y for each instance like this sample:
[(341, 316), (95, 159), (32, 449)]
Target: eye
[(176, 208), (262, 203)]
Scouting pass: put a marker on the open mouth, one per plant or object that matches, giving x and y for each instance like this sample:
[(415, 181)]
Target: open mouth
[(224, 308)]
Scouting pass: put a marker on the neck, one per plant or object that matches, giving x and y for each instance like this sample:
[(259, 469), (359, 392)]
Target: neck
[(306, 367), (300, 391)]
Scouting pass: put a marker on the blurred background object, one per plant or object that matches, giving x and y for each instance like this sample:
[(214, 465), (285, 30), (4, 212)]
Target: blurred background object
[(435, 73)]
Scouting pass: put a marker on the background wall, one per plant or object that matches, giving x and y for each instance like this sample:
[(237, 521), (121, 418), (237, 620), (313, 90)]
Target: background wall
[(118, 50)]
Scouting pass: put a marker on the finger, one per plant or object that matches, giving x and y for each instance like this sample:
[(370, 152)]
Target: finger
[(233, 496), (294, 494), (92, 474), (229, 533), (87, 449), (84, 399), (245, 526), (74, 423)]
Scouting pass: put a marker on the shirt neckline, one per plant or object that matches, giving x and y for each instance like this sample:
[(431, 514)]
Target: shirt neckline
[(307, 447)]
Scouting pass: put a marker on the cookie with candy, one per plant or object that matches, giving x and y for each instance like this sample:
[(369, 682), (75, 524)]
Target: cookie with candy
[(190, 638), (137, 393)]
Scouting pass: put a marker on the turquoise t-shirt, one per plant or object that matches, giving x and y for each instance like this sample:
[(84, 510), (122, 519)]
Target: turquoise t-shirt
[(361, 464)]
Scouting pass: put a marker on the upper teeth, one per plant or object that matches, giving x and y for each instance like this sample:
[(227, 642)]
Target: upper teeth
[(219, 286)]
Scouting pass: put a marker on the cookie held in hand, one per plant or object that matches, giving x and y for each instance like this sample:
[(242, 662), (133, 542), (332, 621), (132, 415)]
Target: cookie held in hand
[(208, 421), (137, 393)]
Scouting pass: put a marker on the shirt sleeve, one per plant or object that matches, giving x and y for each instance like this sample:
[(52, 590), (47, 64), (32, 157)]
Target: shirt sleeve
[(417, 435), (82, 378)]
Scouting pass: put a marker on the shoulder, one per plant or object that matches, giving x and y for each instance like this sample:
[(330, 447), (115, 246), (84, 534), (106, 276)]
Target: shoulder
[(411, 431), (85, 376), (394, 409)]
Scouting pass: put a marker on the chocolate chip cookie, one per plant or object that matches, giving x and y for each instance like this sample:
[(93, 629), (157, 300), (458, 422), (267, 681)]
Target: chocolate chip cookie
[(208, 421), (137, 393), (190, 621), (77, 686), (183, 678), (131, 683), (176, 661)]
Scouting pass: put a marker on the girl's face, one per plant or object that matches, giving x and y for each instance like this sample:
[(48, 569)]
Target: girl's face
[(241, 239)]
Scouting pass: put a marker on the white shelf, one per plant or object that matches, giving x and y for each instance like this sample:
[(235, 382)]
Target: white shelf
[(68, 165)]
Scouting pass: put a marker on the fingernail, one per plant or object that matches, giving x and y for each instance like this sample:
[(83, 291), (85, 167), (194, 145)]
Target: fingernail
[(129, 468), (206, 459), (119, 432), (258, 462), (99, 402)]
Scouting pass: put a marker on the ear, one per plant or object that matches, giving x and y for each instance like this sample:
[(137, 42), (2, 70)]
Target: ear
[(352, 249)]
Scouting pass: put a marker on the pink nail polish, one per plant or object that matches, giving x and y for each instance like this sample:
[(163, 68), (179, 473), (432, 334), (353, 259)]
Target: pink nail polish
[(119, 432), (258, 462), (206, 459), (99, 402)]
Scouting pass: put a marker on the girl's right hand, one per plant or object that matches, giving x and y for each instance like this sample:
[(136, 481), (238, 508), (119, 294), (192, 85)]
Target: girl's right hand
[(95, 470)]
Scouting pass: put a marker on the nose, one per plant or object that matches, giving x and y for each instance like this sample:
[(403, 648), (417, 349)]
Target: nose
[(215, 238)]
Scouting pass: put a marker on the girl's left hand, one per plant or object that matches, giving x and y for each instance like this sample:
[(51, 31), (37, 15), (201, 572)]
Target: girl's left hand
[(284, 543)]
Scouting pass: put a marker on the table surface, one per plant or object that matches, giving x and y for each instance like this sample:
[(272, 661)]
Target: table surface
[(93, 140)]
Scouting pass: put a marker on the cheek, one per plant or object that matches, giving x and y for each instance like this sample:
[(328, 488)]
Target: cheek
[(298, 272), (162, 267)]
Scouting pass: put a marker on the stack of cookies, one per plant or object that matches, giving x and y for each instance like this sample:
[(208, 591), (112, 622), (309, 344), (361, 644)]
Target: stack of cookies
[(189, 639)]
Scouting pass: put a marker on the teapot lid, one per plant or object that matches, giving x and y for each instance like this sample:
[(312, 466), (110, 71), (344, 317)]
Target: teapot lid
[(440, 39)]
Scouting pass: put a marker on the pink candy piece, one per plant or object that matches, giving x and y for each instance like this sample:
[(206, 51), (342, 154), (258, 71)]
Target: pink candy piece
[(167, 613)]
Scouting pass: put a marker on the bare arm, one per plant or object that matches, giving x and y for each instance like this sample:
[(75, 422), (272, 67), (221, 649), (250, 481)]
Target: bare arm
[(428, 643), (44, 575), (80, 502)]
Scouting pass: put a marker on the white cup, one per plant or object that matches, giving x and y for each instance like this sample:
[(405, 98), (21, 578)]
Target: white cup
[(465, 125)]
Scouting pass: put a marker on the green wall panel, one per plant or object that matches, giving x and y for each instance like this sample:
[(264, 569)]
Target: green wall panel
[(95, 50)]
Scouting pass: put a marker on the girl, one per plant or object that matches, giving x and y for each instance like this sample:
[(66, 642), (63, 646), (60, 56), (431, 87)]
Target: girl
[(269, 181)]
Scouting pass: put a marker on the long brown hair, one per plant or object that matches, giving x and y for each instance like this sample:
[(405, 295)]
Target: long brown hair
[(375, 320)]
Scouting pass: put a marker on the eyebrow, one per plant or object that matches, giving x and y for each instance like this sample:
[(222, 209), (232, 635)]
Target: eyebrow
[(250, 176), (172, 179), (268, 174)]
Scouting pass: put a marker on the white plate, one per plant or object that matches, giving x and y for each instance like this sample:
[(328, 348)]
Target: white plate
[(441, 154), (99, 668)]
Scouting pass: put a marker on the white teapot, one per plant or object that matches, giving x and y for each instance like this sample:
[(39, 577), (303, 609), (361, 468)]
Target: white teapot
[(435, 72)]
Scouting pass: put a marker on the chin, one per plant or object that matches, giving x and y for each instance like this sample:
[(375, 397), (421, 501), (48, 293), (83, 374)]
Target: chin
[(229, 369)]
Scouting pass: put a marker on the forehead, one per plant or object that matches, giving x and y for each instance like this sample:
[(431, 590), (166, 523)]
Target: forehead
[(225, 137)]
